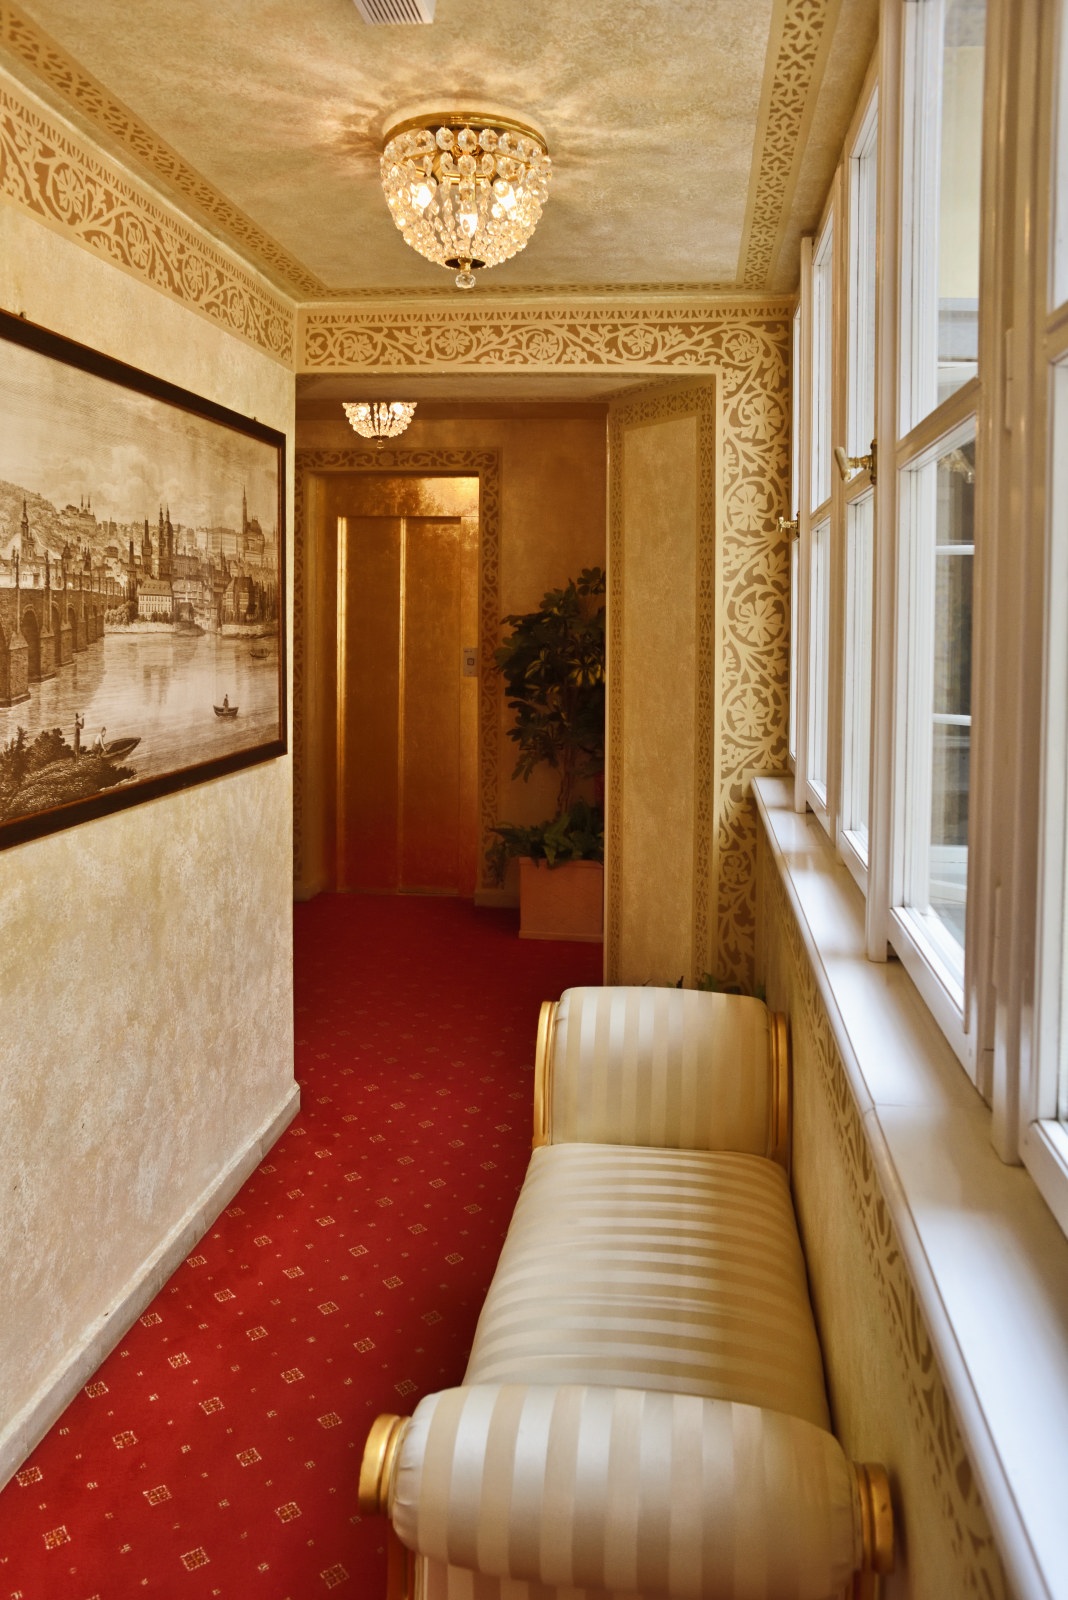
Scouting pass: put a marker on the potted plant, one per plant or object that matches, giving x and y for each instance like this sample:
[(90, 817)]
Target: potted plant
[(553, 665)]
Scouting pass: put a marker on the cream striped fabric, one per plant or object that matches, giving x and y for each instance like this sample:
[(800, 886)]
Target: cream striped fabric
[(659, 1269), (627, 1490), (435, 1581), (669, 1067)]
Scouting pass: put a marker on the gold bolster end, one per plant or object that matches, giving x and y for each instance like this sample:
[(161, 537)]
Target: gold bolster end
[(779, 1110), (543, 1074), (877, 1517), (379, 1460)]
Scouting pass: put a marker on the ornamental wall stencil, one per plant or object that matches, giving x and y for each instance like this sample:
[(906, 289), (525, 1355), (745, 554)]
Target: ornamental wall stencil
[(625, 339), (483, 464), (955, 1529), (788, 105), (49, 173)]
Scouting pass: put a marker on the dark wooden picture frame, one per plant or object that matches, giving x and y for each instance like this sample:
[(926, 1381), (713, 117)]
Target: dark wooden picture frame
[(143, 628)]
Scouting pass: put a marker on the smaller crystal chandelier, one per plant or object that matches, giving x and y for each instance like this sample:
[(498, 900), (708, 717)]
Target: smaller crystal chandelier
[(465, 188), (379, 419)]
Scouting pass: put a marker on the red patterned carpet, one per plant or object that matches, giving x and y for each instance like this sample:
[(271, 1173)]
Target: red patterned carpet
[(215, 1453)]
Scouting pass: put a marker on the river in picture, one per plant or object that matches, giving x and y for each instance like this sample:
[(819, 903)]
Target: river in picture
[(160, 688)]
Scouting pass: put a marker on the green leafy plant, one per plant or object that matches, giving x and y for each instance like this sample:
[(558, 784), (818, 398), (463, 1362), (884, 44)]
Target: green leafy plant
[(576, 835), (553, 666)]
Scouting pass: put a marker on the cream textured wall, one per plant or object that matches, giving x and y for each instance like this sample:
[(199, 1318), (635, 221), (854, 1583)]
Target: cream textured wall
[(552, 469), (888, 1401), (145, 959), (659, 633)]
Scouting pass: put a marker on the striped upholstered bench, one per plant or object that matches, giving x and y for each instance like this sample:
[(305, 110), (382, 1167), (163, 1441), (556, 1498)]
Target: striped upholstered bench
[(644, 1411)]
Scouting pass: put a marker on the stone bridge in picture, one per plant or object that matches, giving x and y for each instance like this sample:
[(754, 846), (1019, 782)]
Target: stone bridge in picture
[(41, 629)]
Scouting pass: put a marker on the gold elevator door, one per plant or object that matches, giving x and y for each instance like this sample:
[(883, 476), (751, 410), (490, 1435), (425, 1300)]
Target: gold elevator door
[(407, 819)]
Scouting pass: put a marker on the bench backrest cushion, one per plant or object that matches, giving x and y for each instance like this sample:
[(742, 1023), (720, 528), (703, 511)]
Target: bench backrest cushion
[(676, 1068)]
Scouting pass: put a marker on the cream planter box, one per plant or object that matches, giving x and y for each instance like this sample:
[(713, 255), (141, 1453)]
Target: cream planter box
[(562, 902)]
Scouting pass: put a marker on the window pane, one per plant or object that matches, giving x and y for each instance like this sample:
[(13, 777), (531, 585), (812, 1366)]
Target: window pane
[(1059, 199), (945, 533), (822, 312), (819, 663), (795, 414), (940, 309), (857, 752), (792, 738), (1053, 924), (862, 289)]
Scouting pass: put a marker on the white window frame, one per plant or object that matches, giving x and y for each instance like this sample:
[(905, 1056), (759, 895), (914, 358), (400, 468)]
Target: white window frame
[(1042, 1111), (929, 955), (861, 257), (819, 390), (915, 427), (1043, 1133)]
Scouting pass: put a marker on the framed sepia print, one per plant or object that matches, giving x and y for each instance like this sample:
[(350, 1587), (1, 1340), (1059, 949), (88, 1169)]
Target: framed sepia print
[(142, 586)]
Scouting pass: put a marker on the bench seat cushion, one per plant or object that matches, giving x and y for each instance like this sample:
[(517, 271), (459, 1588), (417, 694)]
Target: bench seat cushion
[(655, 1269)]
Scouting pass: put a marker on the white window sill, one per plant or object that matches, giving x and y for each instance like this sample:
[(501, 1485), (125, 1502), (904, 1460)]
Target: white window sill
[(989, 1263)]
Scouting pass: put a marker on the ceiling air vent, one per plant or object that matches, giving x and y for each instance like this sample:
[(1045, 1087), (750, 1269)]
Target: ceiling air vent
[(395, 11)]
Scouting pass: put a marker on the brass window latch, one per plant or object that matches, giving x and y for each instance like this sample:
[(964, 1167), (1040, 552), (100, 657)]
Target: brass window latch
[(847, 465), (789, 526)]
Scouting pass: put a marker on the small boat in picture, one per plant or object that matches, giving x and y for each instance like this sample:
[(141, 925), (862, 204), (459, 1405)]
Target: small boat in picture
[(112, 749), (260, 652), (226, 709), (115, 749)]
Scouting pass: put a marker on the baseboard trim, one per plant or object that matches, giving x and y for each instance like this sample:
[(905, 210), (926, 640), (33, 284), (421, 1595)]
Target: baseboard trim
[(308, 888), (28, 1427), (497, 897)]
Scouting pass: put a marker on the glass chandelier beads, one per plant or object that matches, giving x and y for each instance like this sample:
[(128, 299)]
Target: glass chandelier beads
[(465, 190), (379, 419)]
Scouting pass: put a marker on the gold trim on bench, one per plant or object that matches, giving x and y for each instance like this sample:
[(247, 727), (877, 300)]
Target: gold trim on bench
[(543, 1074), (779, 1109), (379, 1460), (400, 1569), (877, 1528)]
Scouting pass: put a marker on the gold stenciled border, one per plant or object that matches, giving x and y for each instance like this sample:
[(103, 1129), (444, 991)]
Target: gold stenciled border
[(483, 464), (48, 173), (652, 340), (803, 29), (952, 1483), (85, 94)]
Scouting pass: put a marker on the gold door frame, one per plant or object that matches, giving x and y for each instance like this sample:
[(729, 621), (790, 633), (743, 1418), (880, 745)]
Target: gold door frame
[(481, 464)]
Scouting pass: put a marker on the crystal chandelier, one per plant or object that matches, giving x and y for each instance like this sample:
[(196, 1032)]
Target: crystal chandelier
[(379, 419), (465, 188)]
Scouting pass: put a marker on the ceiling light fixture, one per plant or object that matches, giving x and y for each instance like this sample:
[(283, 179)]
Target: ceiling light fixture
[(465, 188), (379, 419)]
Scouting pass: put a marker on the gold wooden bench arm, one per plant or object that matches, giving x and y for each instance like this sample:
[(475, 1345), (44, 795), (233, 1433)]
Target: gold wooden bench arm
[(877, 1529), (779, 1096), (543, 1072), (378, 1464)]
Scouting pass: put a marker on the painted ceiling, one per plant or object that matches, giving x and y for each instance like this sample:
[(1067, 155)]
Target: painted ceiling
[(693, 141)]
